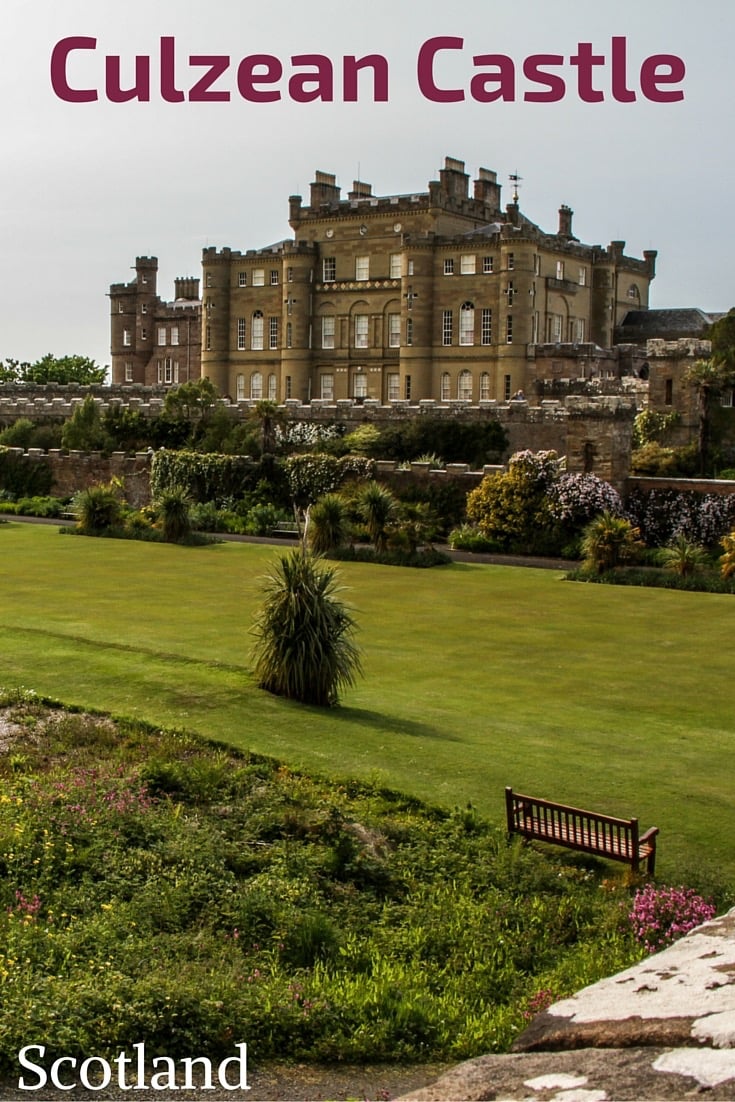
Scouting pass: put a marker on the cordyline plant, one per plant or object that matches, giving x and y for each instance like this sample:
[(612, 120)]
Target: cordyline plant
[(304, 649), (660, 916)]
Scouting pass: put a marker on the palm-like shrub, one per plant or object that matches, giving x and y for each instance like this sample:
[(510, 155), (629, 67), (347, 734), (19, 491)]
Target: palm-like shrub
[(173, 508), (328, 526), (99, 508), (377, 507), (304, 648), (608, 541), (683, 556)]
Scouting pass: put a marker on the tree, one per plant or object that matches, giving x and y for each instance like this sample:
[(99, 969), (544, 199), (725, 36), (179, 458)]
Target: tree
[(328, 525), (709, 378), (84, 430), (378, 508), (191, 401), (54, 369), (513, 507), (304, 649), (268, 417)]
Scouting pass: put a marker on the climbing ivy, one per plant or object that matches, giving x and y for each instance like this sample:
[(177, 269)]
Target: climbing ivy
[(205, 477)]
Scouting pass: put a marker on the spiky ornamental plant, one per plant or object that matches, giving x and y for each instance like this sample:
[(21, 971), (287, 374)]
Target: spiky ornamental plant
[(304, 649), (327, 524), (683, 556), (378, 508), (173, 507), (608, 541)]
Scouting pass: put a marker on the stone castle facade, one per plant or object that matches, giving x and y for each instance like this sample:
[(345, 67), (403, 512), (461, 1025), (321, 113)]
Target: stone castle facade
[(436, 295), (153, 342)]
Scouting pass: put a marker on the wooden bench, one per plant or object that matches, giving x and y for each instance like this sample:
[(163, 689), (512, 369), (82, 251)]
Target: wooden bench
[(589, 831), (285, 529)]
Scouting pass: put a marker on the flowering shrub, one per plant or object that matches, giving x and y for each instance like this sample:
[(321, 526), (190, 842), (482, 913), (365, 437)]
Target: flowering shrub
[(660, 916), (661, 515), (575, 499)]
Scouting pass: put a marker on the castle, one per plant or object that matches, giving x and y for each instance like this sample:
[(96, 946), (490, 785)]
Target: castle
[(436, 295)]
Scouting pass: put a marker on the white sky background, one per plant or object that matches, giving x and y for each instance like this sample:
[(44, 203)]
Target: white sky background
[(85, 188)]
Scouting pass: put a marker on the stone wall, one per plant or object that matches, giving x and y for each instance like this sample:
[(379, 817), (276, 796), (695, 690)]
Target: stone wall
[(75, 471)]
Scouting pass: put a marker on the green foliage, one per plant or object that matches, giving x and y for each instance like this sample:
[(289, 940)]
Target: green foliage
[(727, 560), (683, 556), (364, 440), (378, 508), (19, 434), (99, 508), (24, 477), (126, 429), (157, 889), (657, 461), (190, 401), (84, 430), (394, 556), (476, 443), (512, 508), (609, 541), (652, 425), (468, 538), (205, 478), (328, 526), (33, 507), (54, 369), (304, 649), (172, 506)]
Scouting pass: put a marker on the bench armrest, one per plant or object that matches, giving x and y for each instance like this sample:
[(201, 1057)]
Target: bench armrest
[(651, 833)]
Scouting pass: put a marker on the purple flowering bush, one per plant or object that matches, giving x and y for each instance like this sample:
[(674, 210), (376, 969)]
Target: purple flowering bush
[(662, 515), (661, 915), (576, 499)]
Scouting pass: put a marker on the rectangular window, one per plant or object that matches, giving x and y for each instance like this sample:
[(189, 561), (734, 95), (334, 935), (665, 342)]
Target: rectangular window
[(394, 330), (144, 307), (207, 280), (289, 335), (274, 277), (174, 334), (359, 385), (506, 387), (256, 332), (288, 386), (556, 323), (394, 270), (447, 327), (329, 269), (120, 307), (272, 388), (208, 338), (449, 266), (159, 369), (242, 280), (511, 261), (258, 277), (534, 328), (127, 338), (468, 264), (509, 329), (486, 331), (144, 334), (169, 371), (241, 334), (327, 387), (487, 265), (328, 328), (128, 371), (410, 267), (467, 324), (578, 331), (668, 392), (560, 269), (407, 388), (394, 386), (361, 330), (536, 264), (362, 268), (485, 386), (273, 332), (511, 293), (289, 275), (409, 332), (582, 277)]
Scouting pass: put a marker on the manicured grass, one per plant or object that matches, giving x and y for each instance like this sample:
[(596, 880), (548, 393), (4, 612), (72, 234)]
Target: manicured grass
[(476, 677)]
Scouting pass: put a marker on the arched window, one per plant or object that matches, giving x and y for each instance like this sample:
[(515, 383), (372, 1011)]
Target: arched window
[(467, 323), (256, 331), (256, 385), (485, 386), (271, 388), (464, 385), (445, 384), (240, 388)]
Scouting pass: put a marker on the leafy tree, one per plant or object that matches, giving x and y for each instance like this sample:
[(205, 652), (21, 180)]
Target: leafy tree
[(608, 541), (378, 508), (709, 378), (192, 401), (304, 648), (268, 416), (84, 430), (54, 369)]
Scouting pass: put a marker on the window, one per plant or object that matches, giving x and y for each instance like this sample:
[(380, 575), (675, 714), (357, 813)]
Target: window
[(506, 387), (128, 371), (485, 386), (362, 268), (555, 328), (328, 324), (144, 307), (327, 387), (560, 269), (464, 385), (329, 269), (273, 333), (208, 338), (127, 338), (361, 330), (240, 388), (509, 329), (289, 335), (582, 277), (168, 372), (410, 267), (487, 265), (409, 332), (486, 330), (394, 330), (578, 330), (174, 334), (241, 334), (447, 329), (394, 386), (256, 385), (467, 323), (359, 385), (271, 388), (120, 307), (449, 266), (274, 277), (144, 334), (242, 281), (633, 292), (288, 386), (207, 280), (536, 264), (444, 385), (510, 292), (511, 261), (256, 333), (394, 270), (289, 275), (468, 264), (258, 277), (407, 388), (534, 327), (668, 392)]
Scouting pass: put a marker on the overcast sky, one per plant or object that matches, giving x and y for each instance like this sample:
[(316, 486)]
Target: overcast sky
[(86, 187)]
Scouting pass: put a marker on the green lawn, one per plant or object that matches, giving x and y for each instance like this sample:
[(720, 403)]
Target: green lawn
[(476, 677)]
